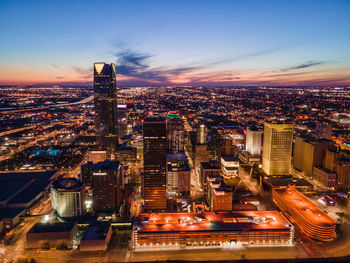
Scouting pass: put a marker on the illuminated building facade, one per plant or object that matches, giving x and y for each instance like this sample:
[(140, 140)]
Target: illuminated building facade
[(304, 214), (219, 195), (277, 148), (325, 178), (175, 134), (105, 99), (309, 153), (211, 168), (107, 181), (154, 158), (229, 166), (122, 120), (68, 197), (211, 230), (178, 175), (253, 141)]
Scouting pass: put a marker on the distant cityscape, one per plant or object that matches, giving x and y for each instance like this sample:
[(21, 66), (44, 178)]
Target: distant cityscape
[(110, 174)]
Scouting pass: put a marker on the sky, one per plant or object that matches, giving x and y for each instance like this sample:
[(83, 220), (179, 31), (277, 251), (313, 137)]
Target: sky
[(182, 43)]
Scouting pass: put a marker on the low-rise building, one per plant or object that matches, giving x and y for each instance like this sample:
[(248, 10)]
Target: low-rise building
[(229, 166), (96, 237), (212, 230), (325, 178), (51, 235)]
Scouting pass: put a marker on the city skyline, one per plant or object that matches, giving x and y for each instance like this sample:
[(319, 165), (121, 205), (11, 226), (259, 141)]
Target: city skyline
[(233, 43)]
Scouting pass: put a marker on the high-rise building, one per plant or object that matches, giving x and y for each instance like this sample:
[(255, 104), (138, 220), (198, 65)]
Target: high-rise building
[(310, 153), (253, 141), (175, 134), (105, 92), (107, 181), (154, 159), (68, 197), (178, 175), (277, 148), (122, 120), (201, 133)]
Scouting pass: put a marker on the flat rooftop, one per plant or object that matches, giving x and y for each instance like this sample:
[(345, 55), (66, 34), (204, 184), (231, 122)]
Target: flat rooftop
[(305, 207), (52, 227), (97, 231), (211, 221)]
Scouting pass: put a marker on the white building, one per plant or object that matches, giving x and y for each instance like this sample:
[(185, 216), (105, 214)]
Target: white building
[(68, 197)]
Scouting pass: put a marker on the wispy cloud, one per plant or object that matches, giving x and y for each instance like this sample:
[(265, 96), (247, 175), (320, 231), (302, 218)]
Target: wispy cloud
[(307, 64)]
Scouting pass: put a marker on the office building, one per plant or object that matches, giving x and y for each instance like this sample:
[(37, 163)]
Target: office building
[(310, 153), (68, 197), (253, 141), (343, 174), (277, 148), (178, 175), (229, 166), (154, 159), (219, 195), (326, 178), (304, 214), (211, 168), (86, 171), (211, 230), (122, 120), (105, 99), (107, 181), (175, 134)]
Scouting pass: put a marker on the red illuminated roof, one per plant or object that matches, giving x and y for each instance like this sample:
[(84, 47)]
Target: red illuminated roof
[(305, 207), (210, 221)]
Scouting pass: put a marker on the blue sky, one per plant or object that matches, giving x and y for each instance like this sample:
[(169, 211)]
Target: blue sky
[(177, 42)]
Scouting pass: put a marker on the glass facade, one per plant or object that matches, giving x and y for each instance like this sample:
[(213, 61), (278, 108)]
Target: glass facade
[(105, 91)]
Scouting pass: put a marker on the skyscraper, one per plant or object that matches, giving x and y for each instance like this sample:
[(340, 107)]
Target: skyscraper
[(105, 100), (175, 134), (253, 141), (107, 181), (154, 158), (277, 148), (122, 120)]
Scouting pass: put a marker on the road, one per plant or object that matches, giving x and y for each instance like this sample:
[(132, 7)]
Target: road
[(16, 248)]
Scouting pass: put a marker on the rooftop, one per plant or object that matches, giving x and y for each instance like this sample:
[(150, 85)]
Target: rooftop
[(107, 165), (210, 221), (305, 207), (52, 227), (96, 231)]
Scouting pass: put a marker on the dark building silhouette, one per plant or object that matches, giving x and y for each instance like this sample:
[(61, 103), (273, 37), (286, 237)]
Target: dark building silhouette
[(107, 180), (105, 91), (154, 157)]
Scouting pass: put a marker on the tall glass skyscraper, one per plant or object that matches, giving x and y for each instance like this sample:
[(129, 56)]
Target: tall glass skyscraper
[(105, 91), (154, 158)]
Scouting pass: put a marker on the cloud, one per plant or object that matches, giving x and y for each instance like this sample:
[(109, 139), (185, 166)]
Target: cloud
[(307, 64), (136, 65), (55, 66), (59, 77), (83, 71)]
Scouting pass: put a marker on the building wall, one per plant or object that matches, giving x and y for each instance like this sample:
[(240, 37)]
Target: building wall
[(343, 175), (277, 148), (325, 177), (154, 157), (107, 190), (253, 142)]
